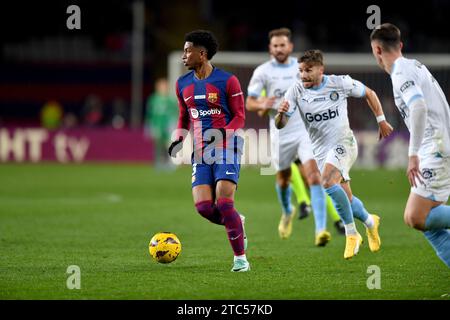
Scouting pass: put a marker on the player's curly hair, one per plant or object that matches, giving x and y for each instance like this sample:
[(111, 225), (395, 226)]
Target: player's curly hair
[(205, 39), (312, 57)]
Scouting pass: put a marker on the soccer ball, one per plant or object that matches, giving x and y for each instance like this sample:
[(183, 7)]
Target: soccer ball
[(164, 247)]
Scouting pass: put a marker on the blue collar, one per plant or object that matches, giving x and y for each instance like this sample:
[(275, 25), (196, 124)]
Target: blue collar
[(275, 63), (393, 66), (322, 84)]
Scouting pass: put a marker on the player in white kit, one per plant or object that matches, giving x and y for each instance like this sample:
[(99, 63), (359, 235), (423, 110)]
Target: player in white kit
[(276, 76), (321, 100), (426, 113)]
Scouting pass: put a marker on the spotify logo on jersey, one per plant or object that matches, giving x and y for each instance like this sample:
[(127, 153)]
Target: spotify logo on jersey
[(196, 113)]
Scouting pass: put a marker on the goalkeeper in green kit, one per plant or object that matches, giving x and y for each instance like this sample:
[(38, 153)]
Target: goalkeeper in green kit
[(160, 119)]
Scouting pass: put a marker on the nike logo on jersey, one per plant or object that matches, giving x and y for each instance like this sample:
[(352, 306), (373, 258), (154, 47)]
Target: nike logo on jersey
[(228, 173), (187, 99)]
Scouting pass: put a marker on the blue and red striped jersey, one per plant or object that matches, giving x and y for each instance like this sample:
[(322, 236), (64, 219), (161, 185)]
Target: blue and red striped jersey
[(211, 103)]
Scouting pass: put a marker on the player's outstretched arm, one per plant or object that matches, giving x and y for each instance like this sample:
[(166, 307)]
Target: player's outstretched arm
[(261, 105), (385, 129), (281, 118)]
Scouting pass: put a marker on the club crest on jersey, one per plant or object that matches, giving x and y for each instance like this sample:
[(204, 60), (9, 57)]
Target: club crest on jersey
[(427, 173), (194, 113), (212, 97), (340, 150), (334, 96)]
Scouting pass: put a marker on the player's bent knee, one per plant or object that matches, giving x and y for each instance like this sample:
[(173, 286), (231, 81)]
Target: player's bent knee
[(414, 220), (314, 178), (406, 219), (283, 183), (205, 208), (225, 189), (283, 178), (226, 208), (327, 183)]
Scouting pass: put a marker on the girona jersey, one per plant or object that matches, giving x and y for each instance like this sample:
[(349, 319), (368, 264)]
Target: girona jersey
[(211, 103), (276, 78), (412, 80), (324, 110)]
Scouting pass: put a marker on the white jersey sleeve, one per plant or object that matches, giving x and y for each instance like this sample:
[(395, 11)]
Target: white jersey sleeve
[(411, 83), (352, 87), (257, 83), (405, 83), (292, 96)]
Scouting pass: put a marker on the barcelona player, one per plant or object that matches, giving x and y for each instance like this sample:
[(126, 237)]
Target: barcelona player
[(211, 101)]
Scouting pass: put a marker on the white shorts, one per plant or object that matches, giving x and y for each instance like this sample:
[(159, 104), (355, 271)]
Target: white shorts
[(436, 176), (284, 152), (342, 156)]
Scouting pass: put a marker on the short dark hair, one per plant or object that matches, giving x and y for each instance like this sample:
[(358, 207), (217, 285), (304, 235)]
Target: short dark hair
[(311, 57), (203, 38), (388, 35), (280, 32)]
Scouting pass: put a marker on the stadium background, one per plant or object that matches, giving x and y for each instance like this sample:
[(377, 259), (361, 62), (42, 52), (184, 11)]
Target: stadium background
[(43, 62), (53, 215)]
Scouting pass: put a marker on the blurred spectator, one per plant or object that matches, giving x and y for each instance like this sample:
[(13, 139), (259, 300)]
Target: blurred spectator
[(51, 115), (119, 113), (160, 119), (70, 120), (93, 111)]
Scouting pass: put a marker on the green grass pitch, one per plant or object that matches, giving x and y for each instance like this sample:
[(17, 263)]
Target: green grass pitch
[(101, 217)]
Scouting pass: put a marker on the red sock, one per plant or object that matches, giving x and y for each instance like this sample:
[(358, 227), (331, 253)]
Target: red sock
[(209, 211), (233, 225)]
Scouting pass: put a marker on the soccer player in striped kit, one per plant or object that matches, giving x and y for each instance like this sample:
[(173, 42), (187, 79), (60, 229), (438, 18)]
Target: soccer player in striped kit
[(211, 101)]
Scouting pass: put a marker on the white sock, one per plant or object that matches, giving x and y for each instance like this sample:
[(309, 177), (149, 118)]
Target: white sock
[(241, 257), (369, 223), (350, 229)]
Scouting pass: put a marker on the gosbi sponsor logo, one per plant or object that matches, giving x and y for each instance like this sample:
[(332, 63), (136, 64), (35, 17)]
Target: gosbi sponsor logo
[(279, 93), (330, 114)]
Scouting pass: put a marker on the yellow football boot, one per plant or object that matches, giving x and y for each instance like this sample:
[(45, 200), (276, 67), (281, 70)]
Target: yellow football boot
[(352, 244), (285, 225), (322, 238), (373, 236)]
